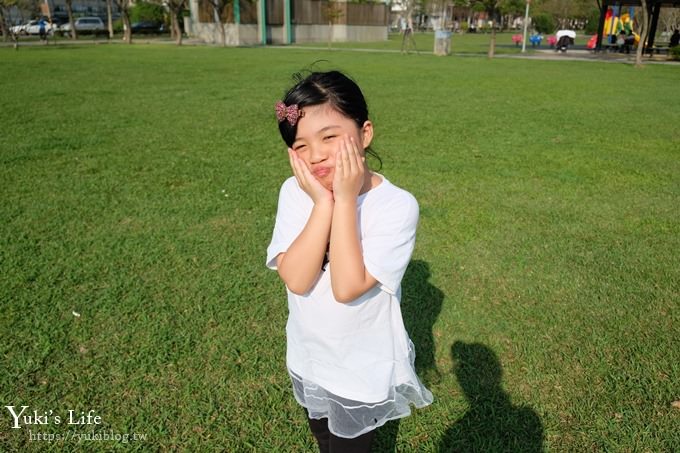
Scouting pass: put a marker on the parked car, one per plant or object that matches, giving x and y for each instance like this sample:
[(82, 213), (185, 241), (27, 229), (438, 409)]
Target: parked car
[(148, 27), (33, 27), (85, 25), (21, 28)]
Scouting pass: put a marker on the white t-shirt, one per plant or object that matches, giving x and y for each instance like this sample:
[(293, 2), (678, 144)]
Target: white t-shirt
[(358, 350)]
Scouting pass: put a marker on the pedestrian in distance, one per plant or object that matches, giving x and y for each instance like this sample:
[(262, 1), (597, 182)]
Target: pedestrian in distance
[(42, 30), (407, 38), (675, 39)]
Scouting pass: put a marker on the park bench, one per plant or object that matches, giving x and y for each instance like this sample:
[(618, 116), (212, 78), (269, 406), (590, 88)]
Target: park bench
[(660, 48)]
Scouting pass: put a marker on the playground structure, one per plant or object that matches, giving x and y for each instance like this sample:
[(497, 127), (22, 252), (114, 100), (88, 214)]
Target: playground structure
[(614, 19)]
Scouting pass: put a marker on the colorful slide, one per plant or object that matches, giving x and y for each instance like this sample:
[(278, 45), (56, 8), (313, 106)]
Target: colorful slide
[(614, 23)]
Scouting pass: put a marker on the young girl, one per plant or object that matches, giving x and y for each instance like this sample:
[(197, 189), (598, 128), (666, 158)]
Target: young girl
[(342, 240)]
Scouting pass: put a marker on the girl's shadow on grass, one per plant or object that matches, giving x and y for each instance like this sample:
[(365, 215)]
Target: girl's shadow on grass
[(492, 423), (421, 303)]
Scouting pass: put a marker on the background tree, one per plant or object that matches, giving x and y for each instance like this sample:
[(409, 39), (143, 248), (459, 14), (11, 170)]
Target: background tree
[(510, 9), (491, 7), (124, 8), (669, 19), (333, 14), (146, 11), (176, 7), (643, 35), (543, 23), (218, 7), (109, 17), (567, 13), (5, 6), (71, 20), (465, 4)]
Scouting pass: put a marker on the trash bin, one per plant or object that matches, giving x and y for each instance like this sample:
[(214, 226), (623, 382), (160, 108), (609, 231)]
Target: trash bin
[(442, 42)]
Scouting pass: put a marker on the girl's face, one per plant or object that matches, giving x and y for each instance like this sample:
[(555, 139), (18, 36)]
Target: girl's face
[(318, 139)]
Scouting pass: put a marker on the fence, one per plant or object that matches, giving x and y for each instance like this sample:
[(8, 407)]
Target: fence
[(315, 12), (248, 12)]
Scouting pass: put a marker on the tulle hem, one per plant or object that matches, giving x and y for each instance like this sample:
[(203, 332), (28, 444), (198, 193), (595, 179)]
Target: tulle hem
[(348, 418)]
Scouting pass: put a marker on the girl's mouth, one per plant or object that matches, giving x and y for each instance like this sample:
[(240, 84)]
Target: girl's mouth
[(322, 171)]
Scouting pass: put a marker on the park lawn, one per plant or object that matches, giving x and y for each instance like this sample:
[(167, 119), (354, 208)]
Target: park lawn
[(139, 188), (461, 43)]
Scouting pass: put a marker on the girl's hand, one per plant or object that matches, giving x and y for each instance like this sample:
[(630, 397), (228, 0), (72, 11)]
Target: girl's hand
[(307, 181), (349, 171)]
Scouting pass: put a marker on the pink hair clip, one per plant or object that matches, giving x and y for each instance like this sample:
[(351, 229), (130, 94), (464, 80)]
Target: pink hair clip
[(291, 113)]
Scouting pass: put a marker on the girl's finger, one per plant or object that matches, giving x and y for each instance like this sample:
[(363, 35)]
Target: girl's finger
[(351, 158), (346, 161), (291, 158), (338, 164), (356, 154), (299, 172)]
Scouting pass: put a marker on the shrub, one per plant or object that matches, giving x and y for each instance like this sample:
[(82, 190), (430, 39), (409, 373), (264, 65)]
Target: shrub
[(543, 23), (118, 26), (591, 24), (674, 53), (147, 11)]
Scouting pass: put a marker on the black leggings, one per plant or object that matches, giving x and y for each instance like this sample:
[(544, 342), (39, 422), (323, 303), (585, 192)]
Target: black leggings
[(330, 443)]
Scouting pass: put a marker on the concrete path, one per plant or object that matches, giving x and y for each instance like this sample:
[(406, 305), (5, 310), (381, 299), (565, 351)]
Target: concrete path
[(536, 54)]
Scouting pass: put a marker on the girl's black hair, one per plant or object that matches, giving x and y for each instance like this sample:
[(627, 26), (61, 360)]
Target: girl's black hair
[(332, 87)]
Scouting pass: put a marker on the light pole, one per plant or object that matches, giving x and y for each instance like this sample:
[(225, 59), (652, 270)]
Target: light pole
[(526, 24)]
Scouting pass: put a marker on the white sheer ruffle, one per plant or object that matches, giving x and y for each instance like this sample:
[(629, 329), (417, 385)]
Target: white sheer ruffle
[(348, 418)]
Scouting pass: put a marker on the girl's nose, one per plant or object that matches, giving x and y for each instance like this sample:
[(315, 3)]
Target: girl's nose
[(318, 154)]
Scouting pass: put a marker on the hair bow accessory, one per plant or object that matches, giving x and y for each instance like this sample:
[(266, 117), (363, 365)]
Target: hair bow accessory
[(291, 113)]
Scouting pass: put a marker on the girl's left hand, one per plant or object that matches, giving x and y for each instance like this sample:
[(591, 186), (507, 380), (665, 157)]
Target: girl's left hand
[(349, 171)]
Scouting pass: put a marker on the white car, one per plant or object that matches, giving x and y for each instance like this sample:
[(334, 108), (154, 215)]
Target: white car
[(20, 29), (33, 27), (85, 25)]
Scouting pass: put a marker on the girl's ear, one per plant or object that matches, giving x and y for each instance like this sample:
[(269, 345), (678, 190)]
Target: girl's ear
[(367, 134)]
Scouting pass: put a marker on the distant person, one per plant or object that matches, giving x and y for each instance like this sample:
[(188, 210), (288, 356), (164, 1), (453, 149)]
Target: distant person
[(630, 40), (42, 30), (407, 35), (621, 41), (342, 240), (675, 39)]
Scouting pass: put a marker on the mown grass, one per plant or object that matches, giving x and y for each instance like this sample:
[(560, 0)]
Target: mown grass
[(461, 43), (139, 191)]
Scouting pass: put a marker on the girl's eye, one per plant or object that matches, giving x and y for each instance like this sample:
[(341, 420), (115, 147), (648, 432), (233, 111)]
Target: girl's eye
[(300, 148), (329, 137)]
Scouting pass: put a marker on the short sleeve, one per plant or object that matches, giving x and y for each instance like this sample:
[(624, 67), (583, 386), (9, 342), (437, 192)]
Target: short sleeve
[(389, 239), (292, 213)]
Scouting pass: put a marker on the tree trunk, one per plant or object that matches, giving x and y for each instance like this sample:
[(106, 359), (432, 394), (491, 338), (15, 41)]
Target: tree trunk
[(127, 30), (176, 29), (218, 22), (643, 35), (69, 10), (330, 33), (492, 43), (109, 21), (223, 34), (3, 26)]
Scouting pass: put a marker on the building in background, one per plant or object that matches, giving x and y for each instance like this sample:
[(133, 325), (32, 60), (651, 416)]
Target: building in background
[(249, 22)]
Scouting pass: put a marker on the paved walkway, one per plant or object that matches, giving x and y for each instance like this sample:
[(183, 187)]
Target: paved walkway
[(535, 54)]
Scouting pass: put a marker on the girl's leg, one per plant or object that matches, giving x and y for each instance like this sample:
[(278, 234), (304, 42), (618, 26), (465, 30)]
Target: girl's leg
[(329, 443), (361, 444), (320, 430)]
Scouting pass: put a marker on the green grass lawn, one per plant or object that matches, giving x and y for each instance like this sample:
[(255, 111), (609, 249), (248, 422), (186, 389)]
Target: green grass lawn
[(461, 43), (139, 188)]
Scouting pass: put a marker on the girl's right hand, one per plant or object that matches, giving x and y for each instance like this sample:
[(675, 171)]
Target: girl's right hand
[(307, 181)]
